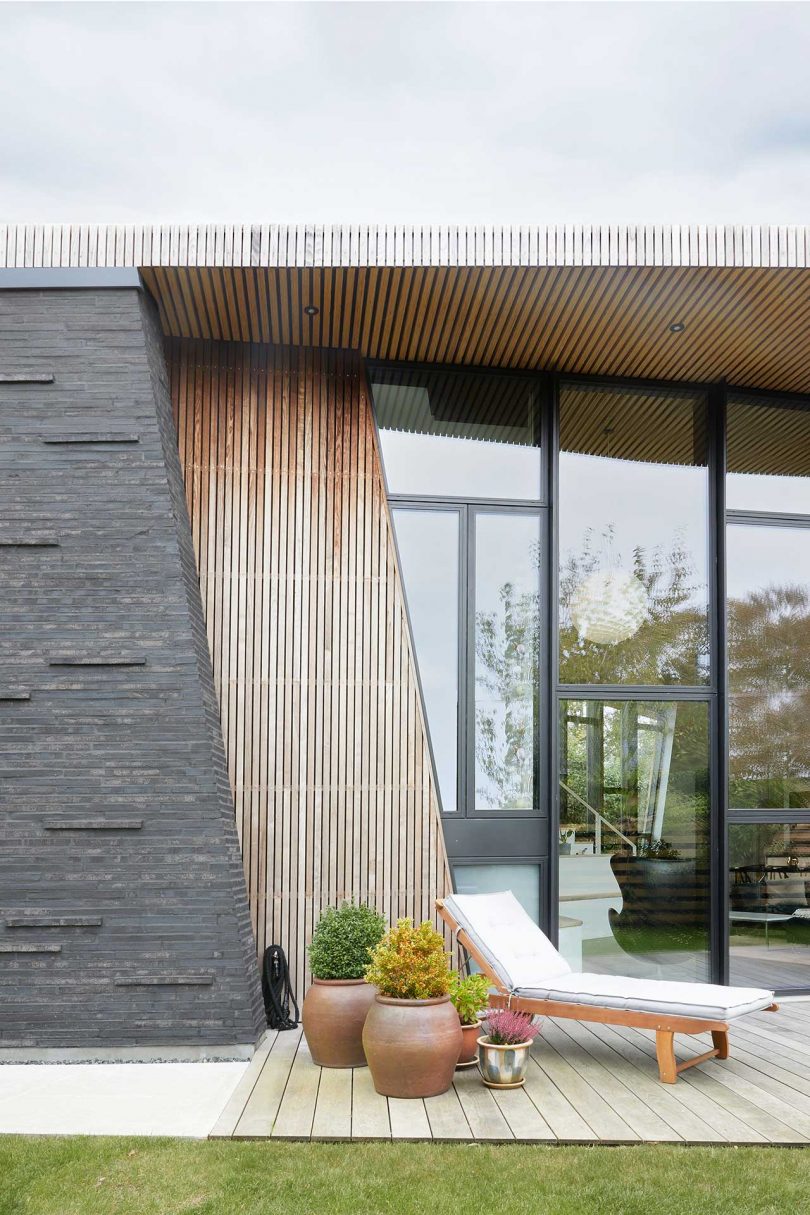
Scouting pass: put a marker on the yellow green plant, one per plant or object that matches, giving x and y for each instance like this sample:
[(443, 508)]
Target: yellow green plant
[(410, 963), (469, 996)]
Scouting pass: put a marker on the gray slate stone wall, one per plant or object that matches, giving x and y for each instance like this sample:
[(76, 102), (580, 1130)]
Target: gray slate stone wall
[(123, 915)]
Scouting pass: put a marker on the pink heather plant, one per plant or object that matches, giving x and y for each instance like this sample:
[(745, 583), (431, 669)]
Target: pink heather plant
[(504, 1027)]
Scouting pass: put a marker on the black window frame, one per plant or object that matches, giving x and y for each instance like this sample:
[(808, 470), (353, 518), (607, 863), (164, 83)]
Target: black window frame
[(490, 831)]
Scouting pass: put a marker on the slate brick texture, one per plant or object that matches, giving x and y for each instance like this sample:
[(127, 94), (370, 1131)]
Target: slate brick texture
[(173, 960)]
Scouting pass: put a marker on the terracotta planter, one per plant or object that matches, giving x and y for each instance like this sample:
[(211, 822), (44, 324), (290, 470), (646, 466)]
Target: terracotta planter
[(469, 1045), (333, 1015), (503, 1066), (412, 1046)]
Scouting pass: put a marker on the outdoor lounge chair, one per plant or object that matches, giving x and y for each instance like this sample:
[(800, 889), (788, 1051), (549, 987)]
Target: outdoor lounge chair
[(531, 976)]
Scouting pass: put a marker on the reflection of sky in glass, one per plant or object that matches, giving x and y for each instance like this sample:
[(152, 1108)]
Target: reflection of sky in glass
[(759, 557), (428, 549), (648, 505), (461, 468), (655, 507), (506, 552), (753, 491)]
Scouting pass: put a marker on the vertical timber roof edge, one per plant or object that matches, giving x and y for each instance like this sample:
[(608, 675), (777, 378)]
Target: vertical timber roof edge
[(298, 246)]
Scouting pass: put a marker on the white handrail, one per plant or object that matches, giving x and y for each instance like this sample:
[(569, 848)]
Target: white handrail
[(601, 818)]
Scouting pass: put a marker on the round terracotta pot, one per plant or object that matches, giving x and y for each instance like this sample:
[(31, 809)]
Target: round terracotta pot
[(503, 1066), (412, 1046), (333, 1015), (469, 1045)]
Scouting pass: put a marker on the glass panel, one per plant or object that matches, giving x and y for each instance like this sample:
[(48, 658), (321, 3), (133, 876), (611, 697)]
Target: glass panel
[(634, 835), (507, 635), (768, 591), (769, 897), (633, 522), (767, 456), (456, 434), (428, 551), (522, 880)]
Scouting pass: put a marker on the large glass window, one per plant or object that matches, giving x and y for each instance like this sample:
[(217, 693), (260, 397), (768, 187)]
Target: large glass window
[(635, 692), (634, 834), (767, 456), (769, 904), (633, 528), (428, 543), (506, 639), (768, 594), (458, 435)]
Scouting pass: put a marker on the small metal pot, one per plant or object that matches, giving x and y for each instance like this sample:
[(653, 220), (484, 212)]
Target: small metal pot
[(503, 1066)]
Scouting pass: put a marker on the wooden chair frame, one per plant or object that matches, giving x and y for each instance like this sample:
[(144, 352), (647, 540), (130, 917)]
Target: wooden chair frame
[(665, 1025)]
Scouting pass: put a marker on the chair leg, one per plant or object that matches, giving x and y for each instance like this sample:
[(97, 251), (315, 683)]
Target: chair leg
[(665, 1050), (720, 1040)]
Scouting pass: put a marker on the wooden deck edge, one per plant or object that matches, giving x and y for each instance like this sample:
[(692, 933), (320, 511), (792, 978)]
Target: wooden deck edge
[(228, 1120)]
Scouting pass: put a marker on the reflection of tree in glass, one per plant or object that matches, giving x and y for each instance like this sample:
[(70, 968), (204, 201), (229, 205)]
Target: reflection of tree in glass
[(769, 705), (671, 646), (506, 652)]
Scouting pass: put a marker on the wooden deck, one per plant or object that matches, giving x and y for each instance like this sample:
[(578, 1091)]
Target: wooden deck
[(586, 1084)]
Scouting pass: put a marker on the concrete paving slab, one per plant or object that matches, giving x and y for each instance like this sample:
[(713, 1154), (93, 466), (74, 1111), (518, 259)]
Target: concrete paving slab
[(177, 1099)]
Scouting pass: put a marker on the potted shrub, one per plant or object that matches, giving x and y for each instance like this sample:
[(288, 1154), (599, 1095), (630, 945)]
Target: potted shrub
[(336, 1004), (412, 1035), (469, 996), (503, 1048)]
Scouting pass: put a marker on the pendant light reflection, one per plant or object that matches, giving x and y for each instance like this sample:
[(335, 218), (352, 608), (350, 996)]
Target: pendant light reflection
[(609, 607), (610, 604)]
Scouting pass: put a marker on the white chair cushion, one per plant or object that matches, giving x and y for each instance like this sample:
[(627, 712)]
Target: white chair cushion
[(707, 1001), (519, 953)]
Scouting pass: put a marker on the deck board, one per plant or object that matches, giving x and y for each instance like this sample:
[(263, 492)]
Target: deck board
[(333, 1107), (587, 1083), (572, 1044), (228, 1120), (480, 1107), (409, 1119), (608, 1126), (260, 1112), (370, 1118), (296, 1113), (446, 1117)]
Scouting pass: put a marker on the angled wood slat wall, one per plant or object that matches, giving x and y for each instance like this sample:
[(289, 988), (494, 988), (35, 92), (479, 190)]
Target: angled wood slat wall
[(326, 744)]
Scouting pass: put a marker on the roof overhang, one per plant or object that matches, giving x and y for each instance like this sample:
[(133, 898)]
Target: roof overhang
[(589, 300)]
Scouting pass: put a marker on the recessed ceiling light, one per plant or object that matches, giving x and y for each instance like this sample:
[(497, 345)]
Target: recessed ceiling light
[(677, 327), (311, 310)]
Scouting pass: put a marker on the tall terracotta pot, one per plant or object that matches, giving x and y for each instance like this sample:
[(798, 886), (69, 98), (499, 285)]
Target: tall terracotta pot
[(412, 1046), (333, 1014)]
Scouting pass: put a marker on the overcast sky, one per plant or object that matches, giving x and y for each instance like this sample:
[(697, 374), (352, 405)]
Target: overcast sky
[(386, 112)]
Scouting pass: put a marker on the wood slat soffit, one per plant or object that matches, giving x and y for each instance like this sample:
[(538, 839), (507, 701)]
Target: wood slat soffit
[(750, 327)]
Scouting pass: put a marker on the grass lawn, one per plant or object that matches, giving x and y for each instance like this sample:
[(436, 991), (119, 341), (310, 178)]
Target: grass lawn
[(80, 1176)]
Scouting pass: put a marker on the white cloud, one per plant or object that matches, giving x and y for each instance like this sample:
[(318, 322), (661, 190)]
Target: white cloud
[(410, 112)]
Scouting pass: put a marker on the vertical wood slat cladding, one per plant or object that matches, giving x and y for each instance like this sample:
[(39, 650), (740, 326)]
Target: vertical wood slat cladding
[(333, 788)]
